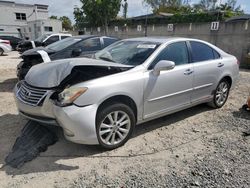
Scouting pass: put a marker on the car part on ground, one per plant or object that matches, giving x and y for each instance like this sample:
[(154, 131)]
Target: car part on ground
[(5, 47), (69, 48), (33, 140), (43, 40), (136, 79), (247, 105)]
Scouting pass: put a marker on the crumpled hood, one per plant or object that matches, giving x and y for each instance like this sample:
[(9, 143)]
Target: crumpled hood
[(50, 75)]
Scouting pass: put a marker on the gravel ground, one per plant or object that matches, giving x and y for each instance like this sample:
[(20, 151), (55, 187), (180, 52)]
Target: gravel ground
[(198, 147)]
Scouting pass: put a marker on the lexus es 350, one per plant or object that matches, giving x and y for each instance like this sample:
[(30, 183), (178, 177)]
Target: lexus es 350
[(100, 100)]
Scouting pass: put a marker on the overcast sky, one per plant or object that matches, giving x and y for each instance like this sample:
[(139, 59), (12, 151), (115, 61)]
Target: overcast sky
[(135, 7)]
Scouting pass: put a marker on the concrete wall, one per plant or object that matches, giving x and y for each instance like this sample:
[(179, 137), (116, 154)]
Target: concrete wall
[(233, 37)]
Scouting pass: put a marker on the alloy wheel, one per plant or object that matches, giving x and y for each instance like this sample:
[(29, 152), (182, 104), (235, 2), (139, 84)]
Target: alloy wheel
[(222, 93), (115, 127)]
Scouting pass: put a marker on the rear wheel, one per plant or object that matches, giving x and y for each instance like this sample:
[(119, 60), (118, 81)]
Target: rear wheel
[(221, 94), (1, 51), (114, 125)]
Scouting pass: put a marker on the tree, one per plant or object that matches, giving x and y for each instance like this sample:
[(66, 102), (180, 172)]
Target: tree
[(99, 12), (66, 23), (53, 17), (125, 9), (156, 4), (80, 18)]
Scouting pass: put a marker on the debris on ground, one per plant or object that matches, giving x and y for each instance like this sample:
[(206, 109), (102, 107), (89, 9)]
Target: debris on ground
[(34, 139)]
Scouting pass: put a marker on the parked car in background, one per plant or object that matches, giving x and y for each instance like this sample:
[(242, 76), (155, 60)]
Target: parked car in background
[(14, 41), (100, 100), (5, 46), (43, 40), (67, 48)]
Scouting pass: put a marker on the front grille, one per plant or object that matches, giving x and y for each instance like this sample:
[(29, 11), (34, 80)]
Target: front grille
[(30, 95)]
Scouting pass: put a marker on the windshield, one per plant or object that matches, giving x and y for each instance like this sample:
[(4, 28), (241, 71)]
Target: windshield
[(59, 45), (128, 52), (42, 38)]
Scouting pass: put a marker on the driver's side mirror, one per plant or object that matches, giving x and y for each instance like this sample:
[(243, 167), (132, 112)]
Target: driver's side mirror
[(76, 52), (163, 65)]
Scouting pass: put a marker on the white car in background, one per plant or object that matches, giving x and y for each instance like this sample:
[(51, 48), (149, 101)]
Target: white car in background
[(5, 46)]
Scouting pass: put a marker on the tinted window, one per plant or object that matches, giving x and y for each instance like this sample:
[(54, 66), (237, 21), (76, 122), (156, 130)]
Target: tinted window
[(62, 44), (202, 52), (64, 37), (90, 45), (52, 40), (176, 52), (108, 41), (216, 55)]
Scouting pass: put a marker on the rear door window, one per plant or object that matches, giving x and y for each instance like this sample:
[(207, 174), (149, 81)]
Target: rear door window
[(51, 40), (92, 44), (202, 52)]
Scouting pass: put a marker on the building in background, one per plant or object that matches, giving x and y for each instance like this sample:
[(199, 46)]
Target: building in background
[(26, 20)]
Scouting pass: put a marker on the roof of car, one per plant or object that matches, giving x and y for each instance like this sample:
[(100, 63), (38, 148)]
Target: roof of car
[(156, 39), (84, 36)]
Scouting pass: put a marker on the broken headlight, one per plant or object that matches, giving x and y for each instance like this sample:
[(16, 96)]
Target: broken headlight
[(69, 95)]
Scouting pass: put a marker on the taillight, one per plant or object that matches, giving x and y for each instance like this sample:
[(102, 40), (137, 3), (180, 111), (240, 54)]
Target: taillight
[(238, 62), (6, 42)]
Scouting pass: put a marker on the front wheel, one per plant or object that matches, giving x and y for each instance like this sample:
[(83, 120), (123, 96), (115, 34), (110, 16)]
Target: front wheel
[(221, 94), (114, 125)]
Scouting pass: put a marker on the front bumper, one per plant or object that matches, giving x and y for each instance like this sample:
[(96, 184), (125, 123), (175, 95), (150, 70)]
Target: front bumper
[(78, 123)]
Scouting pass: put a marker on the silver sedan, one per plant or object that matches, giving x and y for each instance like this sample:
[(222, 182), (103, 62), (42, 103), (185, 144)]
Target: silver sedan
[(99, 100)]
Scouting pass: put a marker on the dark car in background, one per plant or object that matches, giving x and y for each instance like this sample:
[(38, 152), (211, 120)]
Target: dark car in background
[(43, 40), (14, 41), (85, 45)]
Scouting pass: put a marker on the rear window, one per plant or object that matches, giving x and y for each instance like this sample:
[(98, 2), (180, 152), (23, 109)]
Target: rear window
[(203, 52)]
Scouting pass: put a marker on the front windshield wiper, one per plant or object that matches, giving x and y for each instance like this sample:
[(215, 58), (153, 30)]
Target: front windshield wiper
[(106, 59)]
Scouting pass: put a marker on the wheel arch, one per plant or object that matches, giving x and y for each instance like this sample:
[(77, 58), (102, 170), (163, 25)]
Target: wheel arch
[(120, 99), (228, 78)]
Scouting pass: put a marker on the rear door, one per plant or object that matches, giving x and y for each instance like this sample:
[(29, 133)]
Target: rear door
[(207, 69)]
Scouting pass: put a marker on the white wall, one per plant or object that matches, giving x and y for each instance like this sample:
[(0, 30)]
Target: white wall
[(8, 22)]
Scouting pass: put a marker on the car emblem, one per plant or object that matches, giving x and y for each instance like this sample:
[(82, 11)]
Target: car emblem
[(27, 93)]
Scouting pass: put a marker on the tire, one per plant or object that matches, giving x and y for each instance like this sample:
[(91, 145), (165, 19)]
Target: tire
[(245, 107), (220, 95), (114, 134), (1, 51)]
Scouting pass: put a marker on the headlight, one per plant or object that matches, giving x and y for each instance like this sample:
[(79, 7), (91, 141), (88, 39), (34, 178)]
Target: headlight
[(69, 95)]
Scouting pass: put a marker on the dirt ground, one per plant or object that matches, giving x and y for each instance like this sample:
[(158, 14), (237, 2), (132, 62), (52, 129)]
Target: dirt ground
[(198, 147)]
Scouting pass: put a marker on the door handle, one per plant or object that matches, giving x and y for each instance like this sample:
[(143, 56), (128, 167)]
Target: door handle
[(220, 64), (188, 72)]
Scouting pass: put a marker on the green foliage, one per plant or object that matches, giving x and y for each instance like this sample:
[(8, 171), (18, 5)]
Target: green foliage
[(155, 4), (53, 17), (125, 9), (99, 12), (80, 19), (66, 23)]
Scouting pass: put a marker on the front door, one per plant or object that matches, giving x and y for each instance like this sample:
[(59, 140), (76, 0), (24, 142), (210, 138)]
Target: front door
[(172, 88)]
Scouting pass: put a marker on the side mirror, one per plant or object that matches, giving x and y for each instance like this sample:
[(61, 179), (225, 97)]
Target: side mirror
[(76, 52), (163, 65)]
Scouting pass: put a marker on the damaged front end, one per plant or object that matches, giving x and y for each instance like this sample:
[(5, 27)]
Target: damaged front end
[(49, 90)]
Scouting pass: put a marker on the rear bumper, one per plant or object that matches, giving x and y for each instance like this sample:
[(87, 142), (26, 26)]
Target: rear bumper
[(78, 123)]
